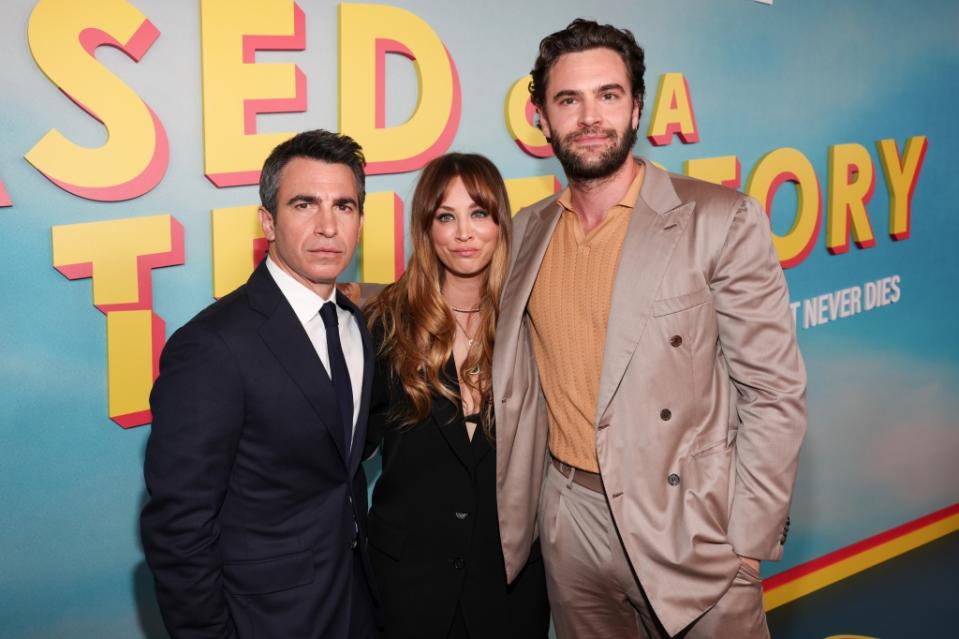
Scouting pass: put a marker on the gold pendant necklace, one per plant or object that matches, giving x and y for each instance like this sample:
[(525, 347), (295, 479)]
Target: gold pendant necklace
[(469, 344), (469, 340)]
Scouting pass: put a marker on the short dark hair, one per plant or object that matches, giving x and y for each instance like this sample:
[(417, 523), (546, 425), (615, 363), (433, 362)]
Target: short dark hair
[(317, 144), (583, 35)]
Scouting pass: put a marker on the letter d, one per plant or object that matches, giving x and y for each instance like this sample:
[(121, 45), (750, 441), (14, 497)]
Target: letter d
[(368, 32), (872, 295)]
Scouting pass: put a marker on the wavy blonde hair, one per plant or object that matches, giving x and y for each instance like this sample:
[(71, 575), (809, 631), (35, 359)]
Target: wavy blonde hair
[(417, 325)]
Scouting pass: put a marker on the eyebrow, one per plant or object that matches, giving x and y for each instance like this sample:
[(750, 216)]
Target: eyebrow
[(566, 93), (299, 197), (475, 206), (342, 201), (570, 93), (614, 86), (312, 199)]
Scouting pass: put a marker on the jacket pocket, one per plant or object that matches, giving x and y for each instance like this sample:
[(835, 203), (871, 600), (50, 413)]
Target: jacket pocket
[(262, 576), (710, 449), (385, 538), (679, 303)]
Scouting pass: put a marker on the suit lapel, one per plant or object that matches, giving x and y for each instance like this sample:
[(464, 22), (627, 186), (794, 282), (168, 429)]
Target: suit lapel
[(286, 339), (359, 434), (656, 224), (518, 288), (480, 445), (449, 420)]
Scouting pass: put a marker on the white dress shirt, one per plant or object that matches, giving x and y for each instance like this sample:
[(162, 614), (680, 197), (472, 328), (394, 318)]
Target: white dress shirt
[(306, 305)]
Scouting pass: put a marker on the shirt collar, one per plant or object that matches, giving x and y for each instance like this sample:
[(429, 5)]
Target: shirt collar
[(628, 201), (305, 302)]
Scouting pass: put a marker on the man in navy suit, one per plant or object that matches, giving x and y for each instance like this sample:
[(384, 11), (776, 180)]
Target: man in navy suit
[(255, 526)]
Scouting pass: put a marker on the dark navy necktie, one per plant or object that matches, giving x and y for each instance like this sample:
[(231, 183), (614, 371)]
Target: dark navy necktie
[(339, 373)]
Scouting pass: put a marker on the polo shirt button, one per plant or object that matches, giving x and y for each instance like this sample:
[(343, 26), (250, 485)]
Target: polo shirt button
[(665, 414), (675, 341), (457, 563), (673, 479)]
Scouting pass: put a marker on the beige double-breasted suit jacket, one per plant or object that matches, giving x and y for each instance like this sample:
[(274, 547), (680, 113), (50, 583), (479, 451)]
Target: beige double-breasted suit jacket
[(701, 408)]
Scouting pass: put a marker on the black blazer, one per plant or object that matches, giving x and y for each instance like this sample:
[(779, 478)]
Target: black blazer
[(249, 528), (434, 535)]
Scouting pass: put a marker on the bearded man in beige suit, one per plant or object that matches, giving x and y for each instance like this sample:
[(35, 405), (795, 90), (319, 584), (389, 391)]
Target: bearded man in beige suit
[(650, 396)]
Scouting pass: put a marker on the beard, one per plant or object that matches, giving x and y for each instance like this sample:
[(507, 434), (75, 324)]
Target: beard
[(580, 168)]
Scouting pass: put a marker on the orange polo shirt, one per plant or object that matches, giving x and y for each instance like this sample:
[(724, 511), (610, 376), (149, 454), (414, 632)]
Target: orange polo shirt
[(569, 309)]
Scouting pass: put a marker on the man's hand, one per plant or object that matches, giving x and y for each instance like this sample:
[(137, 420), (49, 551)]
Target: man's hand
[(358, 293), (351, 290)]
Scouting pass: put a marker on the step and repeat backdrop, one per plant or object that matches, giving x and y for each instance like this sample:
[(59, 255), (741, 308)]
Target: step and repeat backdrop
[(131, 137)]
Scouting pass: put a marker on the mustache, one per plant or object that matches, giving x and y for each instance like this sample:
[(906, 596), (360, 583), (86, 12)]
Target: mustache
[(609, 133)]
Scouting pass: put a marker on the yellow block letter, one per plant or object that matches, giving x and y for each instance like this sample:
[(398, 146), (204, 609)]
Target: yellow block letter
[(528, 190), (851, 181), (673, 112), (519, 120), (118, 255), (368, 32), (382, 252), (238, 246), (901, 175), (724, 170), (236, 88), (134, 342), (789, 165), (63, 36)]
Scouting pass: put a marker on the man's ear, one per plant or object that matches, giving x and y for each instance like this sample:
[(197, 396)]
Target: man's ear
[(266, 223), (637, 112), (542, 123)]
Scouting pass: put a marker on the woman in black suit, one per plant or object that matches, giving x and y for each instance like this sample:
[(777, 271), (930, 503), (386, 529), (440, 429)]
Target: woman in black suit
[(433, 528)]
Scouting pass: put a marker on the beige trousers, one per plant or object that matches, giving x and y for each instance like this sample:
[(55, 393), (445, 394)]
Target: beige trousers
[(593, 591)]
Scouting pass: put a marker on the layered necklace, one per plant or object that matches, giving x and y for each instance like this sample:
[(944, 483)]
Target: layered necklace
[(469, 338), (466, 333)]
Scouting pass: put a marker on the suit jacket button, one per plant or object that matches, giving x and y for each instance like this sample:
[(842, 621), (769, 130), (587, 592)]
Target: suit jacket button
[(665, 414), (457, 563), (673, 480), (676, 341), (461, 515)]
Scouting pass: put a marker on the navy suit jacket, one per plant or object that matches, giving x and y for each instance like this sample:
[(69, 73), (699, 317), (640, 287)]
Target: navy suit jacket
[(249, 529)]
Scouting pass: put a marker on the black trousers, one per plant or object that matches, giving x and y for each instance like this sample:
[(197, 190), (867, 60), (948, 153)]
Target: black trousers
[(362, 609)]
